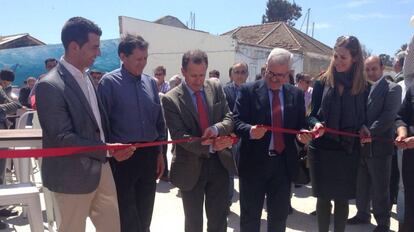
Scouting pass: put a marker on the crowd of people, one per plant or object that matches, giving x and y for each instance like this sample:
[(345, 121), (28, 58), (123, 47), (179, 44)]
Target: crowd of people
[(116, 188)]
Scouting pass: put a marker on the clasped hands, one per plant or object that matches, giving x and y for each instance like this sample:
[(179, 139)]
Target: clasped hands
[(121, 154), (210, 137)]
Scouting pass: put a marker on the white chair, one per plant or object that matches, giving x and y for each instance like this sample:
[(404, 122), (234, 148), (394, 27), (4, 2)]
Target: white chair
[(24, 194), (23, 168)]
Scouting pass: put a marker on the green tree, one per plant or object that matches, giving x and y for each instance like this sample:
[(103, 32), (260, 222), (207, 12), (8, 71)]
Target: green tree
[(281, 10)]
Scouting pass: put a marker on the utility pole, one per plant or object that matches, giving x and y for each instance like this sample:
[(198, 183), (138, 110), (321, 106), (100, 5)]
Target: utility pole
[(307, 24), (313, 28)]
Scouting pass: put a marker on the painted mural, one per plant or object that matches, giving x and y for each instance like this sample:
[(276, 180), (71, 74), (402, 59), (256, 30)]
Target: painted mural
[(29, 61)]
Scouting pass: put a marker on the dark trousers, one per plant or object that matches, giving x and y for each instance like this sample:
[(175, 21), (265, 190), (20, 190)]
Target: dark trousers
[(373, 182), (323, 212), (212, 185), (164, 153), (2, 171), (395, 179), (235, 151), (135, 181), (408, 180), (274, 184)]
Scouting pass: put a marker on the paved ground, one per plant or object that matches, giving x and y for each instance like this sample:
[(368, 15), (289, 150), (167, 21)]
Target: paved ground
[(168, 213)]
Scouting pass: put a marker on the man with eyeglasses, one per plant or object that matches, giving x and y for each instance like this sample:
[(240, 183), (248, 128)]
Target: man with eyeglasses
[(268, 160), (238, 74), (159, 74), (303, 82)]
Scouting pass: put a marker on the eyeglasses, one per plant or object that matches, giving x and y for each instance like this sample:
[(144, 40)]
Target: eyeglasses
[(271, 74), (158, 74)]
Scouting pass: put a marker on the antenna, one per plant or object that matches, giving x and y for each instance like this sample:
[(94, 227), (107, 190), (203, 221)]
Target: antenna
[(313, 28), (307, 15), (191, 21), (307, 24)]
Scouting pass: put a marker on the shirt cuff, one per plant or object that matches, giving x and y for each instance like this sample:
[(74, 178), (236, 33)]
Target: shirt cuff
[(215, 130)]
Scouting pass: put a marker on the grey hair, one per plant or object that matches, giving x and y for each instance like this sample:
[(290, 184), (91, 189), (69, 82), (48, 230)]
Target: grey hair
[(280, 56)]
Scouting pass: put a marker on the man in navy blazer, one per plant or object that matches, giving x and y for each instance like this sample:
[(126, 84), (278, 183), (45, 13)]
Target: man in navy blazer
[(268, 160), (238, 74)]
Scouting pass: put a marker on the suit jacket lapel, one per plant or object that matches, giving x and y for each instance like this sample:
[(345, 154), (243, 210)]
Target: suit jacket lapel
[(263, 100), (209, 100), (377, 91), (187, 101), (287, 103), (71, 83)]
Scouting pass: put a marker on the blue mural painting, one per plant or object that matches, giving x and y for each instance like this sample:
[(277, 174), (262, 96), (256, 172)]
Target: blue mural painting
[(29, 61)]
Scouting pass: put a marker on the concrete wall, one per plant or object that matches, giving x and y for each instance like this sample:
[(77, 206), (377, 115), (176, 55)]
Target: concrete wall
[(314, 64), (168, 44)]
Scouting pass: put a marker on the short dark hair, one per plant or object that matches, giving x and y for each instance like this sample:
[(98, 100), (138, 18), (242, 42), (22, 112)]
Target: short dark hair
[(230, 70), (301, 76), (7, 75), (214, 73), (194, 56), (77, 30), (161, 68), (130, 42), (50, 60)]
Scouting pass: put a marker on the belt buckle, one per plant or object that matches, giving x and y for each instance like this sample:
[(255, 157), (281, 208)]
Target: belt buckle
[(272, 153)]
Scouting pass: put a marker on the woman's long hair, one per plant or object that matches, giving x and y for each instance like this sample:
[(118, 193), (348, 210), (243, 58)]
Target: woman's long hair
[(359, 82)]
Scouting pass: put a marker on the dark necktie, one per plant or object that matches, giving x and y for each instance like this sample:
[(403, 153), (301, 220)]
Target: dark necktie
[(202, 113), (278, 140)]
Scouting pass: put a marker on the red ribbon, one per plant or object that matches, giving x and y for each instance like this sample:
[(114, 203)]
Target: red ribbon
[(327, 130), (63, 151)]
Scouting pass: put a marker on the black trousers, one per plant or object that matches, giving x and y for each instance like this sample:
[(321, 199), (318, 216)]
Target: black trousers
[(323, 212), (373, 184), (408, 181), (135, 181), (274, 185), (212, 185)]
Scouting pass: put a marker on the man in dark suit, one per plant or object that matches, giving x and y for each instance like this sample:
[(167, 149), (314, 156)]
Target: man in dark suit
[(268, 161), (71, 115), (238, 76), (374, 171), (200, 168)]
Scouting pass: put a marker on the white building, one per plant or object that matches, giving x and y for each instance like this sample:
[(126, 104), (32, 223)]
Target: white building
[(250, 44)]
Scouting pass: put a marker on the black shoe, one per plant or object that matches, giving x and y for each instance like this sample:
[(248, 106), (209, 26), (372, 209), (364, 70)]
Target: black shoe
[(3, 225), (358, 220), (313, 213), (8, 213), (382, 228)]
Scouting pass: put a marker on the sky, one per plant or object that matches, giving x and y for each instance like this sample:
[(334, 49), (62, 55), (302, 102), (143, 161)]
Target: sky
[(381, 25)]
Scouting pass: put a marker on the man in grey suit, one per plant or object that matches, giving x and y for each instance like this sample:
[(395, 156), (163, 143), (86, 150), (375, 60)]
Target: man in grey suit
[(374, 171), (201, 168), (71, 115)]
